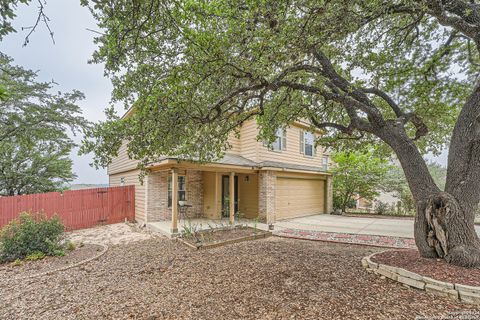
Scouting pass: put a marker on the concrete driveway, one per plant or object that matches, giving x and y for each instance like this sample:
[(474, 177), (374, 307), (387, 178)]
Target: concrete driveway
[(356, 225)]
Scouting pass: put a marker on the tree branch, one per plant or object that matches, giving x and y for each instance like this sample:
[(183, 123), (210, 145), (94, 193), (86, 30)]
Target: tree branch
[(379, 93)]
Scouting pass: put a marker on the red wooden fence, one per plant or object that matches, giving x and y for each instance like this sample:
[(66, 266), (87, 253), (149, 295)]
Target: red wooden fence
[(77, 209)]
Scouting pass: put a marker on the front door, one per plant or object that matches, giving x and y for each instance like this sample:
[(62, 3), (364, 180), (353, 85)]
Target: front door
[(225, 195)]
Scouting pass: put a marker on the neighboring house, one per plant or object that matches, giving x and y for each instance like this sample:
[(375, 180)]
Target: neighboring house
[(387, 198), (285, 181), (79, 186), (362, 204)]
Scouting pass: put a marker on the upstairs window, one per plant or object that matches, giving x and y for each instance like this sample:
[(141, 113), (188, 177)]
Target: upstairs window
[(181, 189), (280, 142), (307, 143)]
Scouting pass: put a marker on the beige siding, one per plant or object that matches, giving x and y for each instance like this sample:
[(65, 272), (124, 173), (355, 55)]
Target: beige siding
[(255, 150), (296, 197), (131, 178), (235, 145), (248, 140), (292, 153), (248, 195), (122, 162)]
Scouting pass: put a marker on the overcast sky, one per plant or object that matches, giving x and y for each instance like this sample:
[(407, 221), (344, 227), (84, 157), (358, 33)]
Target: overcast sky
[(66, 63)]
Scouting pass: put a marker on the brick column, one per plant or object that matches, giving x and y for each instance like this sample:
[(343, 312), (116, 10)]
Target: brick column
[(266, 196), (195, 192)]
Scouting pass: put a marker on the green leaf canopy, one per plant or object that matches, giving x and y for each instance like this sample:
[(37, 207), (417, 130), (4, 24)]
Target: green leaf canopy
[(193, 70)]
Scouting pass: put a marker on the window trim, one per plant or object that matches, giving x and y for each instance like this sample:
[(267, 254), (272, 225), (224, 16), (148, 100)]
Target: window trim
[(283, 140), (304, 132), (169, 186)]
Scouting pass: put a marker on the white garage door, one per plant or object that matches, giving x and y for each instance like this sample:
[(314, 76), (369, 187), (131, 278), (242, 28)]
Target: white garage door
[(297, 197)]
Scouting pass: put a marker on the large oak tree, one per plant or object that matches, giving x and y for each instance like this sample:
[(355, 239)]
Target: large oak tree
[(399, 72)]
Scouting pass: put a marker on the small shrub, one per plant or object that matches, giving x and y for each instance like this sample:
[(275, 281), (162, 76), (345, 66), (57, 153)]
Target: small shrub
[(381, 208), (31, 234), (71, 246), (191, 231), (58, 252), (37, 255)]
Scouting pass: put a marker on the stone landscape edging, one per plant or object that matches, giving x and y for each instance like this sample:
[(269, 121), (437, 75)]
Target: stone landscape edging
[(459, 292), (77, 264)]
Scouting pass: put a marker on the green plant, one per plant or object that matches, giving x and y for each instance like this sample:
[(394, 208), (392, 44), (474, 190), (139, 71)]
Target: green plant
[(17, 263), (239, 215), (191, 231), (31, 234), (34, 256), (59, 252), (71, 246), (381, 208), (255, 222)]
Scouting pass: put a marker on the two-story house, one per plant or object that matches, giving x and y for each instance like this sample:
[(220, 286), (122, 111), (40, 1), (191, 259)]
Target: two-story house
[(285, 180)]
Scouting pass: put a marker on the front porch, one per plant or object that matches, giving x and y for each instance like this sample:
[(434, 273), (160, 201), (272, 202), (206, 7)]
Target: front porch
[(204, 195)]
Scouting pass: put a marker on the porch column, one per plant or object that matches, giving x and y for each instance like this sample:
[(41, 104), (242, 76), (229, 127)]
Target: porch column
[(329, 195), (231, 195), (174, 227)]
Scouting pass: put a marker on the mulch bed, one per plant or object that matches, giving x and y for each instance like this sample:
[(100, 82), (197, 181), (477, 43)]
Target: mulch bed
[(273, 278), (362, 239), (29, 268), (433, 268), (209, 238)]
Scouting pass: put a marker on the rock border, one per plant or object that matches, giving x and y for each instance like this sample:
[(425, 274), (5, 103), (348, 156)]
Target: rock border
[(458, 292), (77, 264)]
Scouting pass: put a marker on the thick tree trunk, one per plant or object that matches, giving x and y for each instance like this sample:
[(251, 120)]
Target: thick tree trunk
[(443, 227), (450, 231)]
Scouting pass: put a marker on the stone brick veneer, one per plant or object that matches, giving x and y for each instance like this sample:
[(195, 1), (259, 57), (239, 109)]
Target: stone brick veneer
[(156, 196), (466, 294), (157, 200), (195, 192), (266, 198)]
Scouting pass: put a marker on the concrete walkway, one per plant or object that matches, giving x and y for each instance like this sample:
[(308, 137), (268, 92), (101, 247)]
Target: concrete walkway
[(389, 227), (354, 225)]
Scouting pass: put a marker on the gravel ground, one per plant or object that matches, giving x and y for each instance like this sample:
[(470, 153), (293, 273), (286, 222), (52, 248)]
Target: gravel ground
[(272, 278), (436, 269), (30, 268), (119, 233)]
